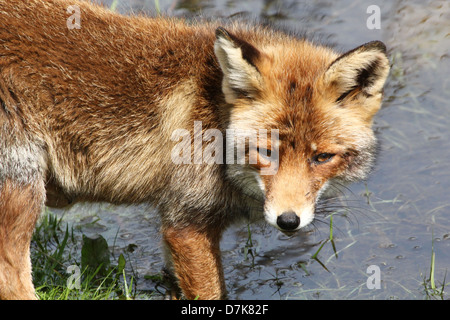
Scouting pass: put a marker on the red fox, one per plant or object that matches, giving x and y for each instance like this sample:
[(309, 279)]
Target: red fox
[(91, 113)]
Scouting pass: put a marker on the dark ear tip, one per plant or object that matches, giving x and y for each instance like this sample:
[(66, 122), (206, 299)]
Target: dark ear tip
[(222, 33), (375, 45)]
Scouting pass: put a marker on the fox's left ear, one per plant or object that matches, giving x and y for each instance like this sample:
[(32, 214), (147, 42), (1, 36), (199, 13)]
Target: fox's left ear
[(361, 71), (238, 60)]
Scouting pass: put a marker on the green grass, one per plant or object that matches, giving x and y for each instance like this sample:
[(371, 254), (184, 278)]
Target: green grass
[(91, 288), (61, 272), (329, 239), (114, 4), (433, 290)]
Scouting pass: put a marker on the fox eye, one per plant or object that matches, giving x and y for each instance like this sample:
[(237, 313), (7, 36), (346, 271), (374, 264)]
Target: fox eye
[(323, 158)]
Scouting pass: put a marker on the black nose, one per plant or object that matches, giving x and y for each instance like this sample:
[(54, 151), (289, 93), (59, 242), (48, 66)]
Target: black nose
[(288, 220)]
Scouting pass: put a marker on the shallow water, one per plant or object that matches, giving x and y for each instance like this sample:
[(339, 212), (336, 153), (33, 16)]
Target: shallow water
[(396, 218)]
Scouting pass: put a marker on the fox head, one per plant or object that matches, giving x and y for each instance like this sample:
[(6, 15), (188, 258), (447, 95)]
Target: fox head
[(319, 103)]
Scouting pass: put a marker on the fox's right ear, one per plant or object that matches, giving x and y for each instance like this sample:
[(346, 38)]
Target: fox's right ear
[(237, 59), (360, 72)]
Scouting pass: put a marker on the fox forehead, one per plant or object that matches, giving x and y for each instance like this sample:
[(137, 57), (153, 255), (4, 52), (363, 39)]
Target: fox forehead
[(294, 66)]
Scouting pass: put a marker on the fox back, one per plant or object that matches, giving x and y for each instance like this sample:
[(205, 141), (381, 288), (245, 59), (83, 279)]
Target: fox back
[(90, 114)]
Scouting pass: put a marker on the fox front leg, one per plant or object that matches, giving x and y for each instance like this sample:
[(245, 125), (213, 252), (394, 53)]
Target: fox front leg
[(20, 207), (195, 258)]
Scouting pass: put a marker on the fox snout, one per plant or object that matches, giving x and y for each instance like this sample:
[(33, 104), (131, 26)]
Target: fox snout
[(288, 221)]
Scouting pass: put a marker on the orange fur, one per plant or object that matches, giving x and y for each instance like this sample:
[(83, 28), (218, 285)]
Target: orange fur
[(197, 262), (90, 113), (20, 206)]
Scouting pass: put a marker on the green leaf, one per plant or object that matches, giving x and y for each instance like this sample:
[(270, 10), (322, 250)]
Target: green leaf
[(121, 263), (95, 255)]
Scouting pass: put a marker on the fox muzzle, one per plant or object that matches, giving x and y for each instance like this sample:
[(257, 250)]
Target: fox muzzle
[(288, 221)]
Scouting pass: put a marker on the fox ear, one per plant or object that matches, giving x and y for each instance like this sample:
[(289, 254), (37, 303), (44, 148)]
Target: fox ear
[(361, 71), (237, 59)]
